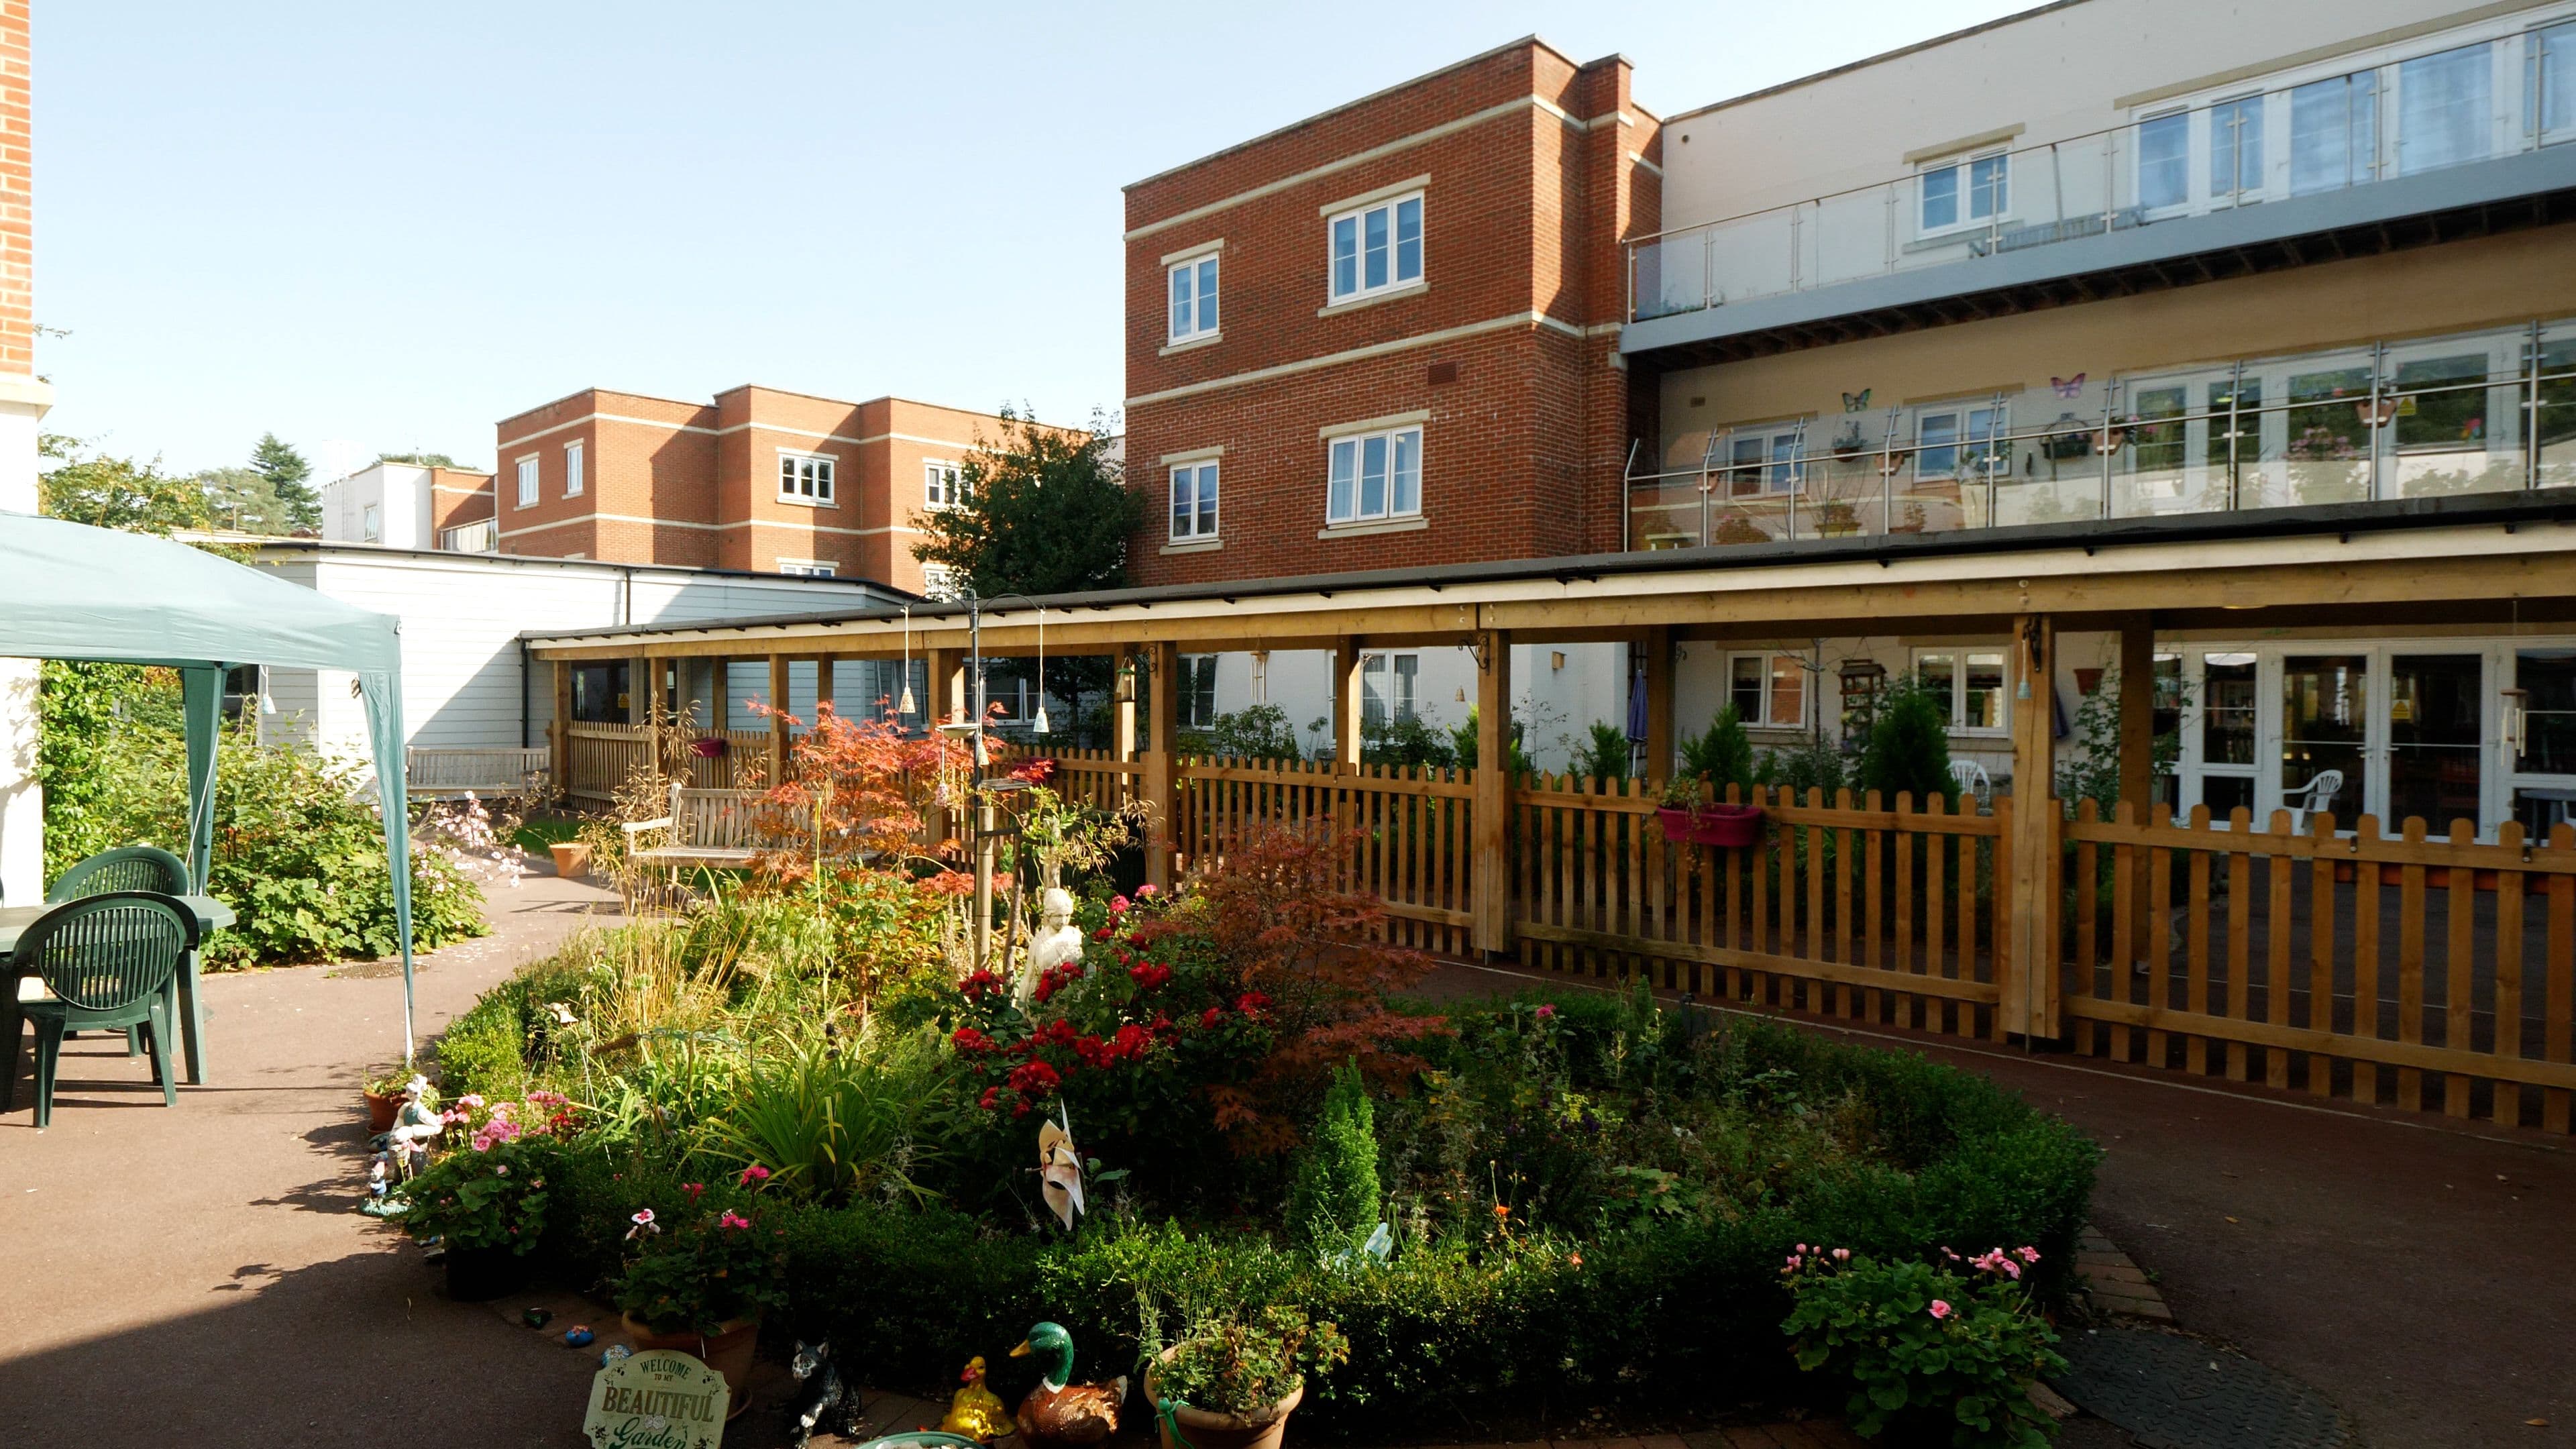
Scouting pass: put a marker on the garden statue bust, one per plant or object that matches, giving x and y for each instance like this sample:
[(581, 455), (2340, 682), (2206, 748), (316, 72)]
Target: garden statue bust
[(1056, 941)]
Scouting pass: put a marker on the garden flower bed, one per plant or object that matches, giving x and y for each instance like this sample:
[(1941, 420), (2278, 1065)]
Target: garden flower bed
[(1513, 1212)]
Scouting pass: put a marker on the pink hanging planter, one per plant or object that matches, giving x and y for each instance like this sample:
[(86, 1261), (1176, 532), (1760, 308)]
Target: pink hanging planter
[(1727, 827), (713, 747)]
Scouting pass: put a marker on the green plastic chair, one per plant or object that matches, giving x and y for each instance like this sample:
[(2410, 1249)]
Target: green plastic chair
[(126, 868), (109, 961)]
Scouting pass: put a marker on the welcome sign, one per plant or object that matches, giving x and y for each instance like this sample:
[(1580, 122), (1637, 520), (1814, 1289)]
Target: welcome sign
[(664, 1399)]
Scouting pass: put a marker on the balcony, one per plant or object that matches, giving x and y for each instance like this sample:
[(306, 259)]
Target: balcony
[(480, 537), (2480, 413), (2456, 142)]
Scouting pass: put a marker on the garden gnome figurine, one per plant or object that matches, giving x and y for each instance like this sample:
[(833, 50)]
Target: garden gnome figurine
[(415, 1125), (1060, 1169), (1057, 941)]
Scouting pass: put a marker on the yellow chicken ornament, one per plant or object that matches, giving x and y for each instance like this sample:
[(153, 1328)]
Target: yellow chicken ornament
[(974, 1410)]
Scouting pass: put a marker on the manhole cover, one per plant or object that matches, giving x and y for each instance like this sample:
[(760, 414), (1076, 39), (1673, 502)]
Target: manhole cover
[(2172, 1392)]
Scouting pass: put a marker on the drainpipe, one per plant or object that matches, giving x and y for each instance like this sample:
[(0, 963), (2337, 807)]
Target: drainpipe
[(525, 718)]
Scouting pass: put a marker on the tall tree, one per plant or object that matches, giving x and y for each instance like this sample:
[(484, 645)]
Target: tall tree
[(243, 500), (115, 492), (1045, 512), (1042, 511), (289, 477)]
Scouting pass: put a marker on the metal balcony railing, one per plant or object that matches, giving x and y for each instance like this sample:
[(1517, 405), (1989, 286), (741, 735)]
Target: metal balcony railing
[(2473, 102), (2206, 442)]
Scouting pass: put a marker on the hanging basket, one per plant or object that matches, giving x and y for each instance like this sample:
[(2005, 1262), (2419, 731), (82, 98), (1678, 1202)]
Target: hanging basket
[(1727, 827), (713, 747)]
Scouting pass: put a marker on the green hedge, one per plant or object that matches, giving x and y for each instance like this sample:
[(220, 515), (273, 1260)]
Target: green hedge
[(1683, 1310)]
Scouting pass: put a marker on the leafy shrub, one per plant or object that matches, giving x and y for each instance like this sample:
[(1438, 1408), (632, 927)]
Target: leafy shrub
[(1810, 767), (490, 1197), (1722, 754), (830, 1123), (1255, 732), (1409, 741), (1334, 1199), (714, 1267), (1926, 1348), (1241, 1363), (1909, 748), (1604, 753)]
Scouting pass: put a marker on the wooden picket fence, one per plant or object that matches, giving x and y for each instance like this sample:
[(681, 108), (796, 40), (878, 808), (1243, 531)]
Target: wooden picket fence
[(605, 756), (1412, 837), (2433, 975)]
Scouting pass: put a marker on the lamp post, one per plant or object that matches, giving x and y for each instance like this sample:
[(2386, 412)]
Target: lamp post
[(987, 831)]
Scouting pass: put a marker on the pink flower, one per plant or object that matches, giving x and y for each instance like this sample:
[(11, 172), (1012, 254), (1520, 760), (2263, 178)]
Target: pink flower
[(1842, 1255), (1940, 1308), (1118, 905), (753, 1175), (732, 1219), (643, 1219), (470, 1099), (1145, 891), (1545, 1012), (2027, 1255), (693, 1189)]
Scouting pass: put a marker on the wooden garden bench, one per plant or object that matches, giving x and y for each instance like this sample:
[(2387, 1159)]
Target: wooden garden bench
[(709, 828)]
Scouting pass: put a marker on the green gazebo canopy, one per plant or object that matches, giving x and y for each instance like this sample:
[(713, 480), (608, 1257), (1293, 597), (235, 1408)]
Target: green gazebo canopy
[(76, 592)]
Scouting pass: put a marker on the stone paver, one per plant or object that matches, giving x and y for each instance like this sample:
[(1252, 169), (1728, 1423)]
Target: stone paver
[(2116, 1284)]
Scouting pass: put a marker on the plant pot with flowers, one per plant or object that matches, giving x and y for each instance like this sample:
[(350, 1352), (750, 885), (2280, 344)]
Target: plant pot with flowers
[(701, 1284), (383, 1090), (486, 1205), (1232, 1380)]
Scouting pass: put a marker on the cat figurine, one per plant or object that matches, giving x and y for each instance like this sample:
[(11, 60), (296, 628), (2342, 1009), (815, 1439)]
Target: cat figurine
[(826, 1402)]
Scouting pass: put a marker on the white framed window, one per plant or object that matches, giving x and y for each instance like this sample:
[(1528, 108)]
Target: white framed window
[(808, 568), (2236, 150), (1389, 688), (938, 581), (1197, 698), (942, 486), (1377, 247), (528, 481), (1958, 442), (1964, 191), (804, 478), (1769, 691), (1374, 475), (1968, 686), (2164, 161), (1193, 292), (1764, 459), (371, 527), (572, 470), (1194, 501)]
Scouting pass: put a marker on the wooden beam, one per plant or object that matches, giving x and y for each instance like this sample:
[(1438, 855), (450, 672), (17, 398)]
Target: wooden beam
[(639, 689), (1163, 734), (823, 685), (1347, 715), (559, 731), (2137, 752), (1490, 818), (2030, 987), (1659, 703), (1123, 703)]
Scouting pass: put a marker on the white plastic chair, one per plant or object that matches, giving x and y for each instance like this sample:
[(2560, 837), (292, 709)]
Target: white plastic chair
[(1974, 782), (2313, 798)]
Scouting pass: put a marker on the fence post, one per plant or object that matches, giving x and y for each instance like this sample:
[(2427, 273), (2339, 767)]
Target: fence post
[(1492, 877), (2030, 1006), (777, 719), (1659, 703), (2138, 739), (1347, 719), (1162, 739)]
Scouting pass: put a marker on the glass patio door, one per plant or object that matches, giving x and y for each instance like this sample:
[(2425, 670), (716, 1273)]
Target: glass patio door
[(2435, 741), (2325, 725)]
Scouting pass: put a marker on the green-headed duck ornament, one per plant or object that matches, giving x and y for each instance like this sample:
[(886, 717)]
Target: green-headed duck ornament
[(1059, 1413)]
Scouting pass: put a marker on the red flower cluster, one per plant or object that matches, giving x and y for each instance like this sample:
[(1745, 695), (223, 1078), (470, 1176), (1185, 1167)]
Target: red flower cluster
[(1252, 1003), (1036, 772), (1149, 975), (1056, 978), (981, 984), (970, 1042)]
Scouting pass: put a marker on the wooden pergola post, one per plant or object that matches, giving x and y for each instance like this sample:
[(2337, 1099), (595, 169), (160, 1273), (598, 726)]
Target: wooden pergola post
[(2030, 1005), (1491, 816), (1347, 743), (777, 718), (823, 685), (559, 731), (2138, 750), (1162, 737), (1659, 703)]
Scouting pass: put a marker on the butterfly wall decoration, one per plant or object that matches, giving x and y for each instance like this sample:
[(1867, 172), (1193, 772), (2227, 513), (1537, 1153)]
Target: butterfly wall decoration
[(1856, 402), (2067, 386)]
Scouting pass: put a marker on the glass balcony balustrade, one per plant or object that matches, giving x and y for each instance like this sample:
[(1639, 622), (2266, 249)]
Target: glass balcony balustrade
[(2303, 137), (2491, 412)]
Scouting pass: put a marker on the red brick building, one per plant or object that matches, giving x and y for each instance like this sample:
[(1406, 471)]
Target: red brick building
[(757, 479), (1412, 353)]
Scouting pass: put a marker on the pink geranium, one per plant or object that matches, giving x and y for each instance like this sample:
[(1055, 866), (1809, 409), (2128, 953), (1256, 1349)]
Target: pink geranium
[(1940, 1308)]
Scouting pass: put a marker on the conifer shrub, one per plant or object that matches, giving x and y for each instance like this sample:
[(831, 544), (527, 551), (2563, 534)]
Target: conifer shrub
[(1334, 1200), (1909, 748)]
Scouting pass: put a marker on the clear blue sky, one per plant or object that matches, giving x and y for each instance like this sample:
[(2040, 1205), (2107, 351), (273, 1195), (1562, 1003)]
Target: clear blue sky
[(377, 227)]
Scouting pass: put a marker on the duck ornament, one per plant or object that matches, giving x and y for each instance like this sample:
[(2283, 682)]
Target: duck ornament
[(976, 1412), (1058, 1413)]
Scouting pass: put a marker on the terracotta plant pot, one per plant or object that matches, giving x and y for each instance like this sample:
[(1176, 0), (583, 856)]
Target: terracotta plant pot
[(479, 1275), (1726, 826), (728, 1351), (380, 1111), (1203, 1430), (572, 858)]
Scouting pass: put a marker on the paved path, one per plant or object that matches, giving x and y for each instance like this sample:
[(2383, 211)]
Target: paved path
[(2419, 1276), (199, 1276)]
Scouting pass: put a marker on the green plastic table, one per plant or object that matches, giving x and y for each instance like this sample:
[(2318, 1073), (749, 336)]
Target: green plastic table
[(211, 914)]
